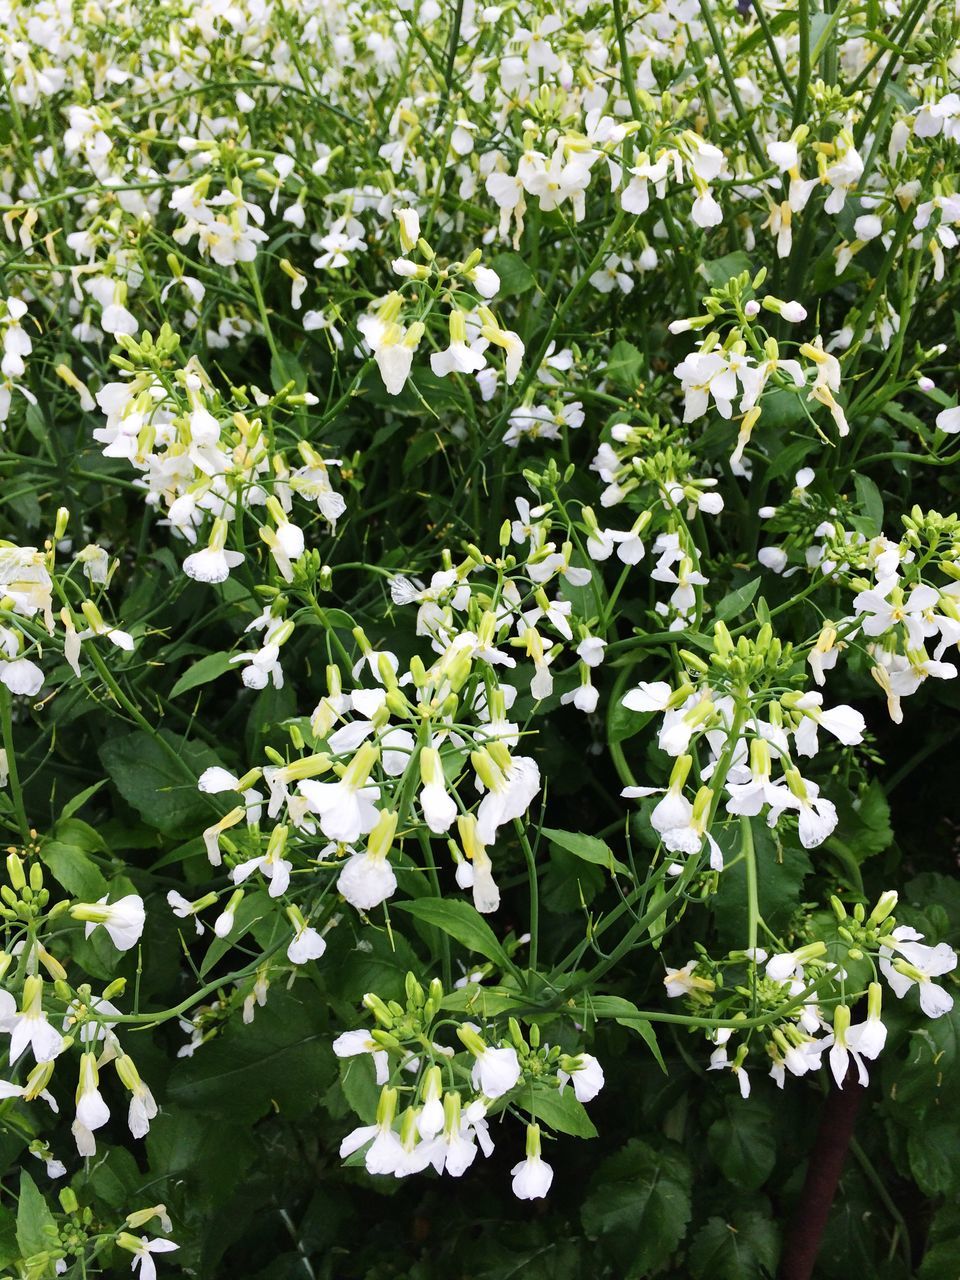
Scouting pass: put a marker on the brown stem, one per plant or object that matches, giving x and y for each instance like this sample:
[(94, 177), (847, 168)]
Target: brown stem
[(830, 1148)]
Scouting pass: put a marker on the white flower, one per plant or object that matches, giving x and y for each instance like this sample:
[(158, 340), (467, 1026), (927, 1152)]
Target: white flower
[(511, 782), (211, 564), (917, 964), (143, 1256), (92, 1112), (496, 1071), (21, 676), (347, 809), (123, 919), (352, 1043), (30, 1026), (586, 1075), (648, 696), (306, 944), (532, 1177), (367, 879)]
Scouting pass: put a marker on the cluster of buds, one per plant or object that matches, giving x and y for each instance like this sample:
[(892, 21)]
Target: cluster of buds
[(443, 1126)]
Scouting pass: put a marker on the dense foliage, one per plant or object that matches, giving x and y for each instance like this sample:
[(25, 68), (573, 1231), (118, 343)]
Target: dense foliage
[(479, 607)]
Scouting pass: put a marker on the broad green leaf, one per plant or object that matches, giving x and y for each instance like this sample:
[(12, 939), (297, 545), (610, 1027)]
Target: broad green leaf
[(462, 922), (78, 801), (626, 1013), (516, 278), (9, 1249), (622, 723), (160, 786), (933, 1157), (718, 271), (36, 1225), (864, 821), (284, 368), (780, 876), (282, 1060), (255, 906), (569, 883), (560, 1111), (483, 1002), (745, 1248), (588, 848), (734, 603), (625, 365), (74, 869), (942, 1245), (638, 1207), (870, 501), (202, 672), (358, 1080), (744, 1145)]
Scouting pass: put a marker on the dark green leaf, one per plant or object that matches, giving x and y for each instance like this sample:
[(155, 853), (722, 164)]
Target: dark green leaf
[(625, 366), (161, 786), (516, 278), (734, 603), (36, 1225), (638, 1207), (560, 1111), (744, 1145), (461, 921), (745, 1248), (871, 502), (202, 672), (588, 848)]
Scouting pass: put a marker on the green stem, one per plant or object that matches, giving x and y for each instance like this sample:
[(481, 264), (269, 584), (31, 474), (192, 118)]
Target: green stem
[(803, 75), (750, 865), (534, 893), (6, 723)]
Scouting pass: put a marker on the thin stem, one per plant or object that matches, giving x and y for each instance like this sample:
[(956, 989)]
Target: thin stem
[(803, 74), (534, 892), (753, 901), (6, 723)]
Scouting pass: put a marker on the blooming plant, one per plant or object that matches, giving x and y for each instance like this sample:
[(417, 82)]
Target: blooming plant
[(479, 611)]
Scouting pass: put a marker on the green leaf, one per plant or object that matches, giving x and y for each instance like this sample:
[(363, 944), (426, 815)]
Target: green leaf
[(933, 1158), (745, 1248), (587, 848), (9, 1249), (561, 1111), (943, 1245), (864, 824), (36, 1225), (423, 446), (871, 502), (282, 1060), (638, 1207), (358, 1080), (285, 368), (163, 791), (202, 672), (482, 1002), (734, 603), (744, 1145), (462, 922), (781, 871), (626, 1013), (254, 907), (625, 366), (718, 271), (73, 806), (74, 869), (516, 278), (622, 723)]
